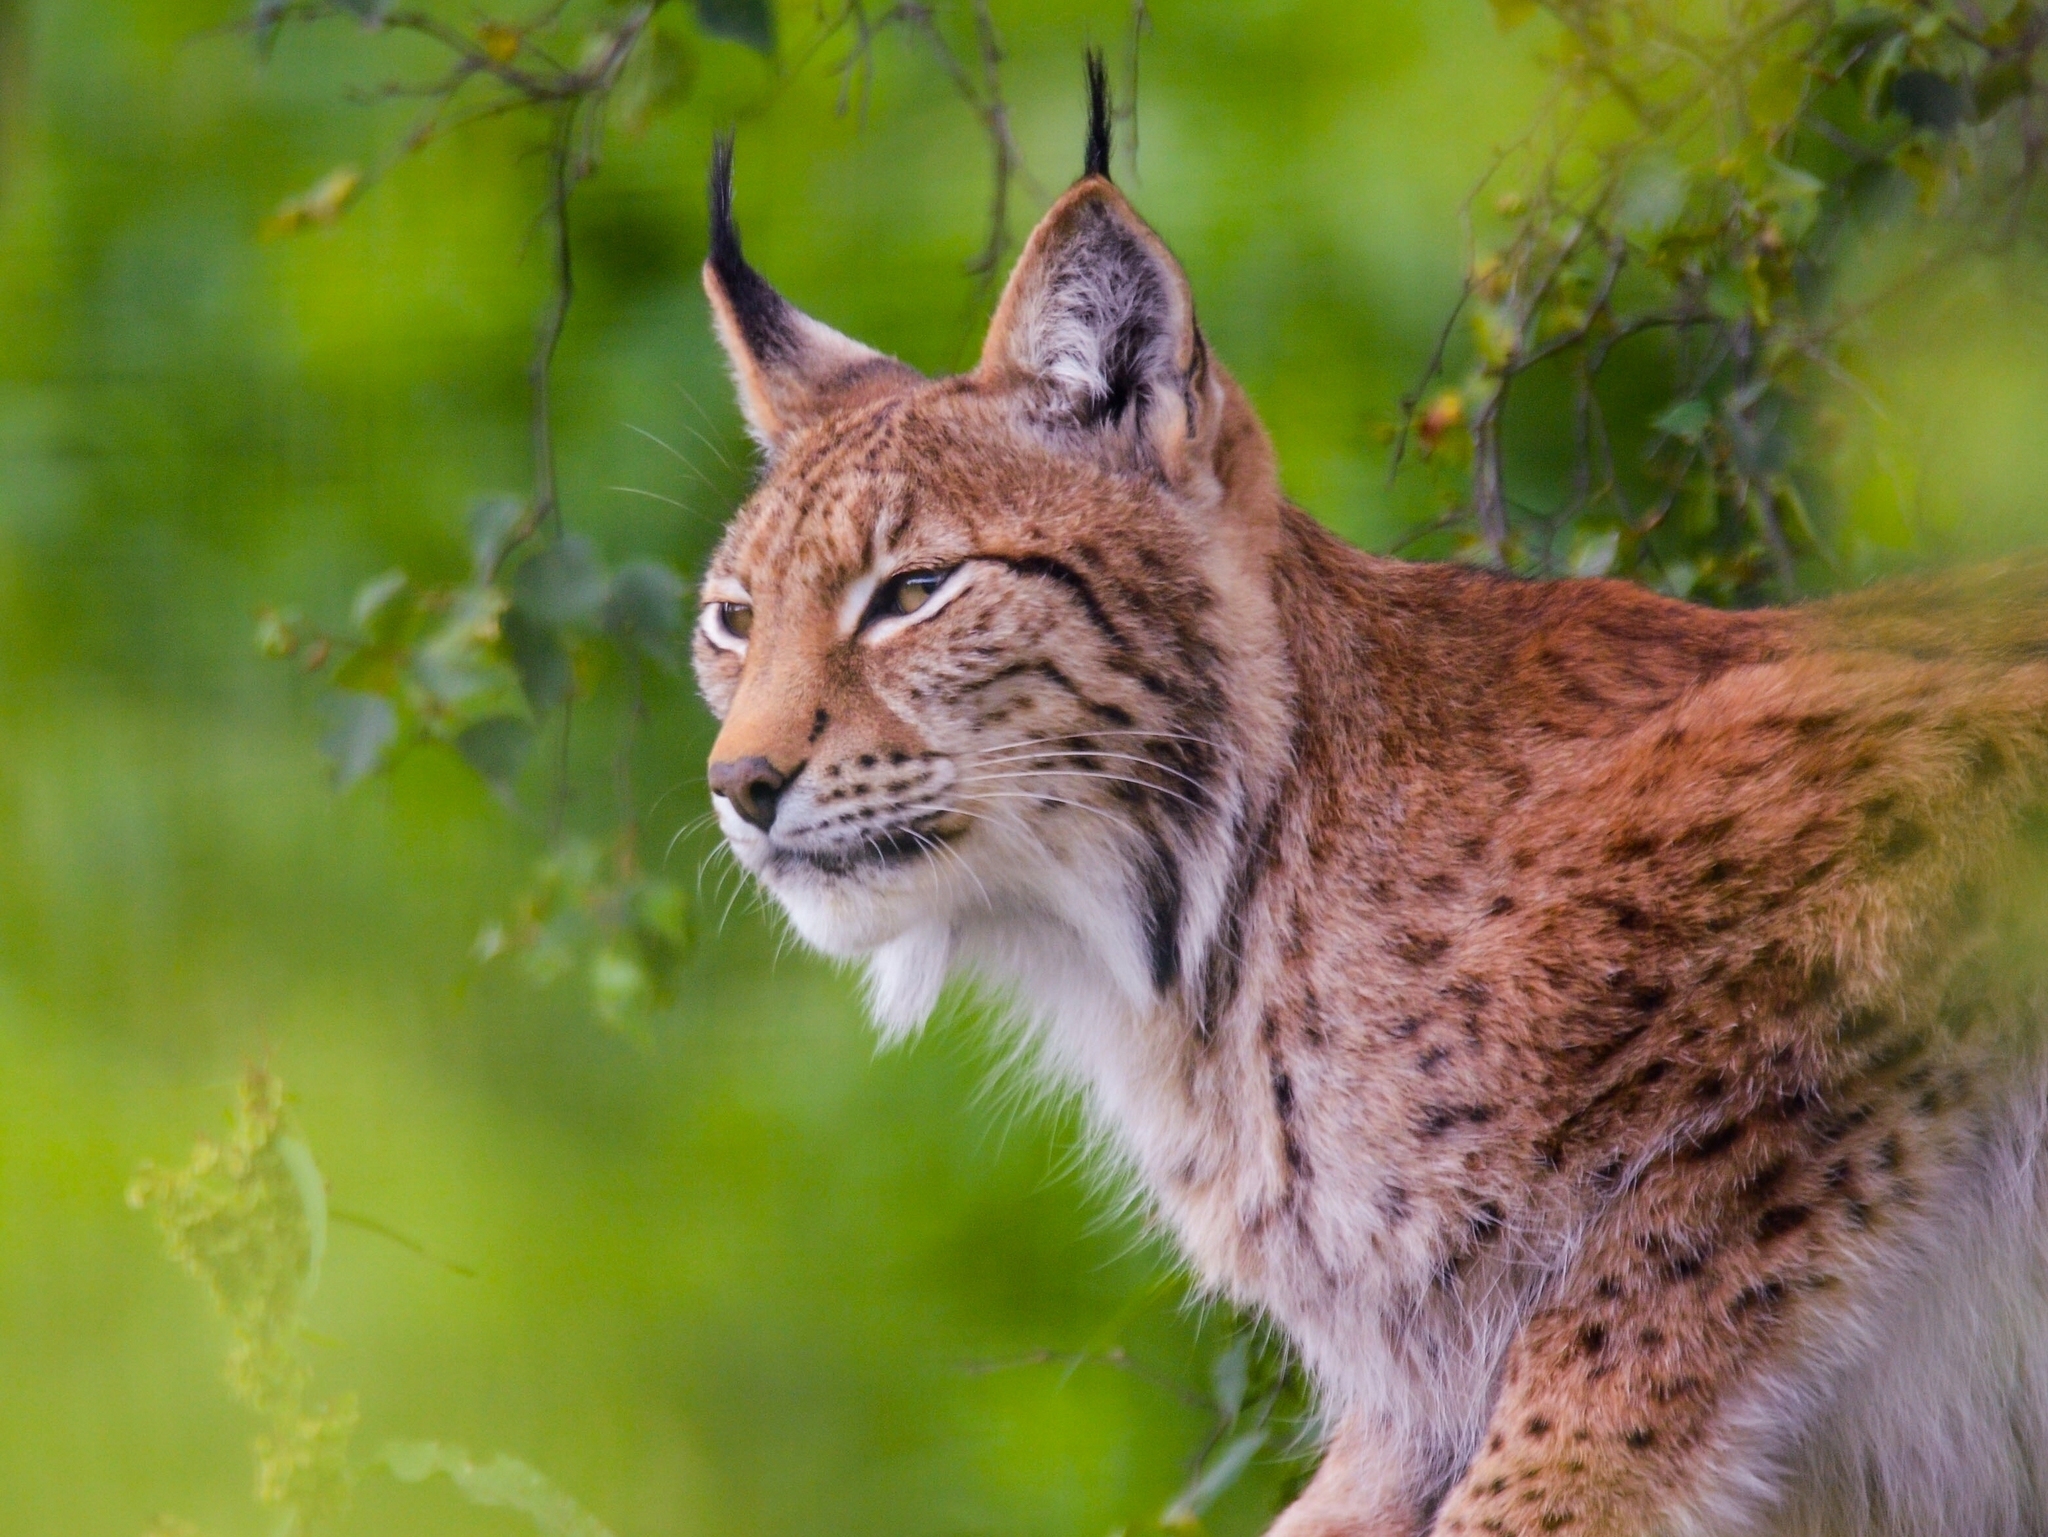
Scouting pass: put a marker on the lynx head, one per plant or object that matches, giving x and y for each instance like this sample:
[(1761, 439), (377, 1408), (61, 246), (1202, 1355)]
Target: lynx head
[(987, 649)]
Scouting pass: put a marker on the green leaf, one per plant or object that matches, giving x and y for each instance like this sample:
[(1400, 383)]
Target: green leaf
[(561, 584), (751, 22), (644, 609), (1793, 196), (1222, 1471), (661, 72), (496, 747), (1651, 199), (1510, 14), (1728, 293), (1228, 1374), (458, 664), (373, 609), (504, 1482), (546, 675), (361, 729), (1777, 93), (1883, 67), (1998, 85), (1687, 419), (1593, 552), (369, 10), (619, 984), (312, 1192), (661, 910), (492, 523)]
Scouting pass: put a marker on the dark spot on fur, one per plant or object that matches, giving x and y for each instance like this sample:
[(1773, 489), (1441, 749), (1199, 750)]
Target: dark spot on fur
[(1538, 1426), (1780, 1220), (1634, 844), (1642, 1438), (1420, 949), (1764, 1296), (1651, 1339), (1593, 1338), (819, 722), (1713, 1143), (1987, 762), (1500, 906), (867, 760), (1488, 1220), (1756, 1186), (1434, 1058), (1898, 1051), (1906, 838)]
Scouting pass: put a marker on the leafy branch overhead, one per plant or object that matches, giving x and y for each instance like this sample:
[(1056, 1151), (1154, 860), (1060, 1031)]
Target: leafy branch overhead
[(494, 667), (1665, 270)]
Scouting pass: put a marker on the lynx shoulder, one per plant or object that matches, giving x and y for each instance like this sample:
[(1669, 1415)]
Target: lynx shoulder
[(1603, 1033)]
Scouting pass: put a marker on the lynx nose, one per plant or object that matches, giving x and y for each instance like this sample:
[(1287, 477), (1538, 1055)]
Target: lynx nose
[(753, 785)]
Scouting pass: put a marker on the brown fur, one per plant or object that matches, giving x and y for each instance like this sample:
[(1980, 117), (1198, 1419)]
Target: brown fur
[(1568, 1012)]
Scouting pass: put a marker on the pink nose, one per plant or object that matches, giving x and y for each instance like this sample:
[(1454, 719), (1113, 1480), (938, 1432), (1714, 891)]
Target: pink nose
[(753, 785)]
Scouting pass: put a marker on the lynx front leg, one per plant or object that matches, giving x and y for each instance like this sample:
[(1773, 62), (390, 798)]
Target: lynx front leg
[(1640, 1399), (1367, 1486)]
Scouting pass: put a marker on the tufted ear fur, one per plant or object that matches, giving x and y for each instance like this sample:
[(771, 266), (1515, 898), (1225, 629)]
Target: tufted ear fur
[(1096, 327), (789, 368)]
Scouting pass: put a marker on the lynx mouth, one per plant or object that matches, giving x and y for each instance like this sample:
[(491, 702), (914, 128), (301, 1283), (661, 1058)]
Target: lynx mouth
[(903, 845)]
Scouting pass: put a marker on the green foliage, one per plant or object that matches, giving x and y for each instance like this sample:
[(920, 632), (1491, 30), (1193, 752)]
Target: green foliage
[(247, 1216), (1262, 1405), (504, 1482), (1688, 215)]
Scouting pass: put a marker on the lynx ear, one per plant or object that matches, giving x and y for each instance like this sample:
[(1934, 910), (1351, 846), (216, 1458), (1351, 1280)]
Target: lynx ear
[(1097, 325), (790, 369)]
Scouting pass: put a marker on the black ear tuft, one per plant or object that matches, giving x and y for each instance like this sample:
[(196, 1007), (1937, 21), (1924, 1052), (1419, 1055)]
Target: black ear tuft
[(1096, 162), (762, 315)]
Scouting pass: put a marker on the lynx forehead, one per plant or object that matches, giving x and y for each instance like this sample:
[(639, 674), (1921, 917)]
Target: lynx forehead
[(1604, 1034)]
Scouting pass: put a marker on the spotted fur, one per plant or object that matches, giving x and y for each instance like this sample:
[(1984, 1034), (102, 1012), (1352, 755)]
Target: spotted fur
[(1603, 1033)]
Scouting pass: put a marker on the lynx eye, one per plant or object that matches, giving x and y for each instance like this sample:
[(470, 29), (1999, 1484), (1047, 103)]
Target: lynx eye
[(904, 594), (729, 624)]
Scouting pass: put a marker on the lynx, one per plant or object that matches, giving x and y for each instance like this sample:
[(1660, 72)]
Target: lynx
[(1602, 1033)]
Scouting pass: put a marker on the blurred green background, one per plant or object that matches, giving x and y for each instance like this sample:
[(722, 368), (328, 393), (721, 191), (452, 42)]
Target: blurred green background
[(729, 1279)]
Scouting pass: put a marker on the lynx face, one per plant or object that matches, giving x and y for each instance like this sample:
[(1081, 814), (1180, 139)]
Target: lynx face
[(969, 639)]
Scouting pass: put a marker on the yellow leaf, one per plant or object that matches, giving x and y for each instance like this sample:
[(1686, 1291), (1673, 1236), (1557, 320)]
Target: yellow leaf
[(320, 204), (1929, 175), (501, 42), (1496, 337)]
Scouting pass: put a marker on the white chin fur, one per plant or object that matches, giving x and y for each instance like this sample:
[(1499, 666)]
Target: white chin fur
[(905, 977)]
